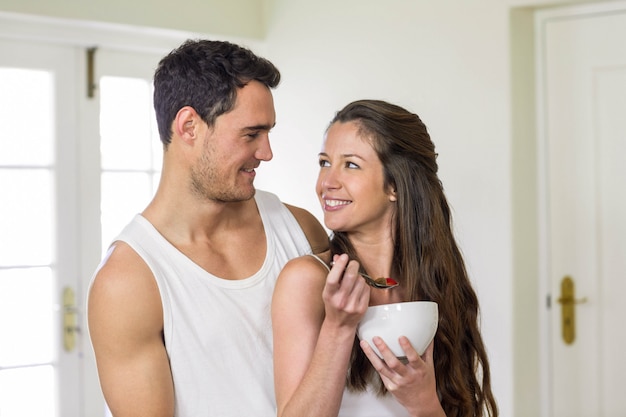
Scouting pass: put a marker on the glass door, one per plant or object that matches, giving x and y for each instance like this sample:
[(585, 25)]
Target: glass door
[(131, 152), (39, 359), (73, 171)]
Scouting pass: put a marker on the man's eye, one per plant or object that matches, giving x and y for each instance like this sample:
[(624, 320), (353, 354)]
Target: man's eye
[(253, 135)]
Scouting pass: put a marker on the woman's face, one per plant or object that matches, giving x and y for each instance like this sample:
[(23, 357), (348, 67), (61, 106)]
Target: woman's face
[(350, 183)]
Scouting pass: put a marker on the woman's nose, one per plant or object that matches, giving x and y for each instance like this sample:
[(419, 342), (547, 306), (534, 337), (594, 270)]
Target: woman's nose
[(328, 179)]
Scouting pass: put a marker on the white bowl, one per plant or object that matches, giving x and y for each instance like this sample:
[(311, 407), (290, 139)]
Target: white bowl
[(417, 320)]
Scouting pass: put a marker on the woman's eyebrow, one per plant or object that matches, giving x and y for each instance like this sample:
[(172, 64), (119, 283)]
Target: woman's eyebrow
[(345, 155)]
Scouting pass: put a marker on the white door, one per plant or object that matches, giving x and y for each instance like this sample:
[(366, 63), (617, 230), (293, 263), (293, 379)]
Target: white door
[(73, 170), (584, 133), (38, 231)]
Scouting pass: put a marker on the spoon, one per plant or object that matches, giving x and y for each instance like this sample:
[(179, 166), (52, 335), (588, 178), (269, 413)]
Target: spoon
[(382, 282)]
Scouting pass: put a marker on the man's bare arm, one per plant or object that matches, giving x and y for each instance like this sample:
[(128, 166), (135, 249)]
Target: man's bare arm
[(125, 320)]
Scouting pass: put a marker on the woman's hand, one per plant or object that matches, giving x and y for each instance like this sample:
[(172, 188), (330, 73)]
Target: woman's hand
[(346, 294), (411, 381)]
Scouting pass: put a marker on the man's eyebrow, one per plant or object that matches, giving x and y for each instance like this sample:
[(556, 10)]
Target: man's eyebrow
[(259, 127)]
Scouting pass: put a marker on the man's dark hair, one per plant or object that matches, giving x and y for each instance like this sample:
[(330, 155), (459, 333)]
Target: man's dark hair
[(205, 75)]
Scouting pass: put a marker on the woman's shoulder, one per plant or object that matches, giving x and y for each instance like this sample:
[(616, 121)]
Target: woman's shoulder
[(301, 282), (311, 264), (305, 271)]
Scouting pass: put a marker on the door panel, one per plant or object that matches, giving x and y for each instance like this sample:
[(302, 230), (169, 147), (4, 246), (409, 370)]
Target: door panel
[(611, 166)]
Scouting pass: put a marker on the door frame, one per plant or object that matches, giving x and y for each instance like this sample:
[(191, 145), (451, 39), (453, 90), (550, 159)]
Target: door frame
[(90, 33), (547, 301)]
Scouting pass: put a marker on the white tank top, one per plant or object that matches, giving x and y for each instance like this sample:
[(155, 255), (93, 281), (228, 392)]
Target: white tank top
[(217, 332), (368, 404)]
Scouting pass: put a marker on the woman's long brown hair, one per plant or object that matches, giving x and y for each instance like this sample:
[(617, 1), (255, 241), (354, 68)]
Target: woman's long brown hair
[(426, 256)]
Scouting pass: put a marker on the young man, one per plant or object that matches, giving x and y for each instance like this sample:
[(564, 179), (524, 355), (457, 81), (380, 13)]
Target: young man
[(179, 309)]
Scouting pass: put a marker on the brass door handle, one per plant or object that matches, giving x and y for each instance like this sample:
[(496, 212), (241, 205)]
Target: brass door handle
[(70, 319), (568, 303)]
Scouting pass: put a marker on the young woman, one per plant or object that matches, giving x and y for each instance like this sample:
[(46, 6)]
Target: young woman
[(385, 204)]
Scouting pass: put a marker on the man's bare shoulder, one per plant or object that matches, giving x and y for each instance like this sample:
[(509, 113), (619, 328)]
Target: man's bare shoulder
[(313, 229), (122, 266), (124, 282)]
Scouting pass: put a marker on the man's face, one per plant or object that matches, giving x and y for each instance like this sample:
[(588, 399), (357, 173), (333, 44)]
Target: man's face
[(235, 146)]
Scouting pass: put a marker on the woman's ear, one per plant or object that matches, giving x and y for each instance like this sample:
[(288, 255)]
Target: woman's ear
[(392, 194), (186, 123)]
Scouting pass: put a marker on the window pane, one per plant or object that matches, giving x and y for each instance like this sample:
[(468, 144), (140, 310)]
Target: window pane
[(22, 92), (26, 217), (127, 127), (28, 392), (123, 195), (26, 319)]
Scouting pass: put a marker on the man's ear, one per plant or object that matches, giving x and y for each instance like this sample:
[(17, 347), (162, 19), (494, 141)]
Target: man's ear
[(186, 124)]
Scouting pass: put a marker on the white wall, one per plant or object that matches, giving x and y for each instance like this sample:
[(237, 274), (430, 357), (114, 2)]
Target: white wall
[(245, 18)]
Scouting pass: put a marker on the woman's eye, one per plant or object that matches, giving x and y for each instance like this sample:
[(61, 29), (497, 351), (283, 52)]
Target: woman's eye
[(324, 163), (352, 165)]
